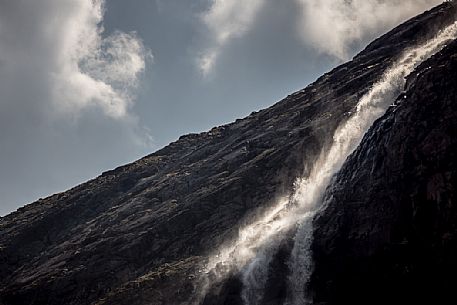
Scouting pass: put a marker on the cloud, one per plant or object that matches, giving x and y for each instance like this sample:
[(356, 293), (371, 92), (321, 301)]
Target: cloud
[(65, 45), (335, 26), (332, 27), (106, 75), (92, 70), (226, 20)]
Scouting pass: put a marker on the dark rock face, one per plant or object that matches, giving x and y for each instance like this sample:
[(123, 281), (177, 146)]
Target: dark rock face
[(138, 234), (389, 233)]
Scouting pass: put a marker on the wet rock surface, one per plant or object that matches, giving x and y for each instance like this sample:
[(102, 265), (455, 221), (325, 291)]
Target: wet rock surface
[(139, 234)]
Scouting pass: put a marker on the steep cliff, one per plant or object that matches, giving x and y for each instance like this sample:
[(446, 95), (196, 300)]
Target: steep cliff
[(139, 234)]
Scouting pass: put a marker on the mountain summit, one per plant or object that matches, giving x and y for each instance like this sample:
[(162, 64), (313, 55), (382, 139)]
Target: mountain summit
[(343, 192)]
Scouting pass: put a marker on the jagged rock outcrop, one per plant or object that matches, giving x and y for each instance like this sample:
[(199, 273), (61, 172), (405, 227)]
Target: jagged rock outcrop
[(138, 234)]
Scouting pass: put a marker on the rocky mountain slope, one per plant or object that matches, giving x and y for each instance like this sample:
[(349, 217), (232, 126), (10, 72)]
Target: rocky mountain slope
[(139, 234)]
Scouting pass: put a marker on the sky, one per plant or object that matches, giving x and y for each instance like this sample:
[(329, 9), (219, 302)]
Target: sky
[(89, 85)]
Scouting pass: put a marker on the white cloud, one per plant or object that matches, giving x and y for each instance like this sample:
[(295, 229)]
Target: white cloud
[(226, 20), (333, 26), (62, 43)]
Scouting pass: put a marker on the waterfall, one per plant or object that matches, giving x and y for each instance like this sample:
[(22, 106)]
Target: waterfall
[(251, 253), (345, 140)]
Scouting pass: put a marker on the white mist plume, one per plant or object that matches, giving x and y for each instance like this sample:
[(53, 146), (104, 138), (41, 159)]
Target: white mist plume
[(257, 242), (334, 26)]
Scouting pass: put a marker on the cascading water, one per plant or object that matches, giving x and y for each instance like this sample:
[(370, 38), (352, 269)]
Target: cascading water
[(252, 252), (346, 139)]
